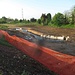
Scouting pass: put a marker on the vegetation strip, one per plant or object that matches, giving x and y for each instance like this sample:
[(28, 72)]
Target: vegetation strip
[(4, 42)]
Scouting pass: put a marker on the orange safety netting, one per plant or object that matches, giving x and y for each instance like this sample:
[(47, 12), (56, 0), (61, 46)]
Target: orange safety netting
[(60, 63)]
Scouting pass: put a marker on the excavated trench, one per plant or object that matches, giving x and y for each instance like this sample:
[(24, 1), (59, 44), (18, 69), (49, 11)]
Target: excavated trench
[(67, 47)]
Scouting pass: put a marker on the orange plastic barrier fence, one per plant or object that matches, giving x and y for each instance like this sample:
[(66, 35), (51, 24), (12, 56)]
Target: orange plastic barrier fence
[(60, 63), (1, 34)]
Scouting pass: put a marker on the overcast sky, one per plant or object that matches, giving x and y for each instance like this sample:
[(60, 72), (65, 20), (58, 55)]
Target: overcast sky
[(33, 8)]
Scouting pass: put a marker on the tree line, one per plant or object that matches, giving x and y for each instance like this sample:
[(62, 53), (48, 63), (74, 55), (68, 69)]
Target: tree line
[(58, 19)]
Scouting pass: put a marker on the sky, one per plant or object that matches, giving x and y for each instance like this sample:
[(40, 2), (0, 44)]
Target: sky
[(33, 8)]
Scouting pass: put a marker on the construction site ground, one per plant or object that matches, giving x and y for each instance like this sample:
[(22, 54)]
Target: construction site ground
[(67, 47), (15, 62)]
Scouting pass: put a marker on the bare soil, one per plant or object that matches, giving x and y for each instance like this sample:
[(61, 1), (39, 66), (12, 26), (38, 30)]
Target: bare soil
[(15, 62), (67, 47), (55, 31)]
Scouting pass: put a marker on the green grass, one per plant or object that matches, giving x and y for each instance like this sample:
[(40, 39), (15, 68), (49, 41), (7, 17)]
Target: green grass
[(3, 27), (50, 25), (4, 42), (68, 26), (6, 26), (63, 26), (27, 24)]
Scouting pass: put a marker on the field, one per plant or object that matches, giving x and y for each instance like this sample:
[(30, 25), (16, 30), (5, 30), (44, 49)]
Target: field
[(14, 62)]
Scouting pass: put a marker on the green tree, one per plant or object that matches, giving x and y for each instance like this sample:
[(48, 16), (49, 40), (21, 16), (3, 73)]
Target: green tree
[(44, 19), (48, 17), (3, 20), (67, 15), (66, 19), (21, 20), (73, 15), (33, 20), (58, 19), (9, 20), (16, 20), (39, 21)]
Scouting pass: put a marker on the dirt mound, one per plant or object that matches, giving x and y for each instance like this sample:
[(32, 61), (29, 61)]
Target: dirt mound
[(55, 31)]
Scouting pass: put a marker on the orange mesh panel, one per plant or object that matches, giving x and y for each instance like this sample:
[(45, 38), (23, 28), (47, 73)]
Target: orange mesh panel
[(60, 63), (0, 34)]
